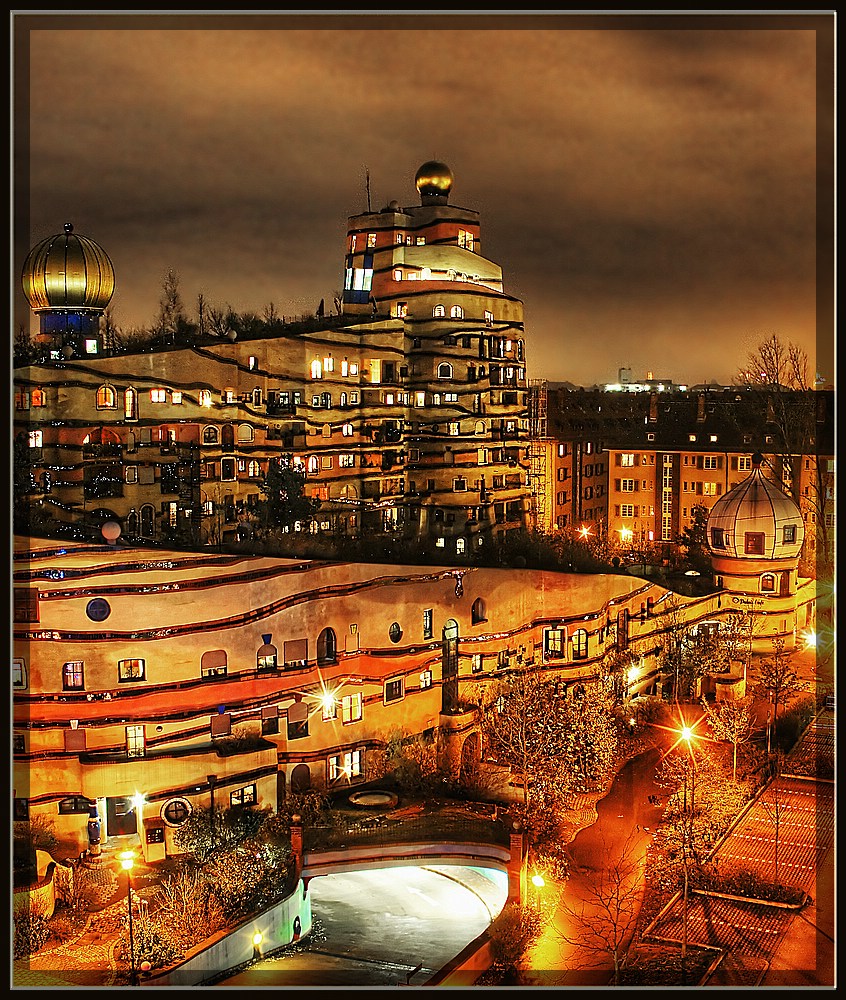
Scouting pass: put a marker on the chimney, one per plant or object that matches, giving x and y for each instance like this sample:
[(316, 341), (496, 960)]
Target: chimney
[(700, 409)]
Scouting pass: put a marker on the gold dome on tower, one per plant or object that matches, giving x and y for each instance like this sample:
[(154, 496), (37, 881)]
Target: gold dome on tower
[(67, 271), (434, 178)]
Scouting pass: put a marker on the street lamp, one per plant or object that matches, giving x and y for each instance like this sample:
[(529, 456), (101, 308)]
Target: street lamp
[(538, 882), (127, 860)]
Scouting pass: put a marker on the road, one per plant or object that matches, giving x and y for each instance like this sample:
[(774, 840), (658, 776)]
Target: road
[(373, 928), (625, 823)]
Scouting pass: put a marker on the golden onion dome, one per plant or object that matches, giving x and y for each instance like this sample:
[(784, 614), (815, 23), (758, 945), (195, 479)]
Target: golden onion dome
[(433, 178), (67, 271)]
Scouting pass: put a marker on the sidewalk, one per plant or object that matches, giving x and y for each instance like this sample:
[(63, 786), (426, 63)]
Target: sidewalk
[(89, 959)]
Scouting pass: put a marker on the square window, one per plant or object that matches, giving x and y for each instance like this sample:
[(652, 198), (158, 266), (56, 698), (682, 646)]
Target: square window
[(351, 708), (394, 690), (131, 670)]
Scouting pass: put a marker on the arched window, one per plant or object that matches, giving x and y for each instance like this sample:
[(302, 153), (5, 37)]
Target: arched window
[(460, 546), (227, 437), (444, 370), (477, 613), (316, 369), (313, 465), (246, 433), (768, 583), (132, 522), (327, 648), (106, 397), (253, 469), (456, 312), (266, 657), (480, 427), (438, 312), (204, 397), (580, 644), (148, 521), (130, 404), (257, 395), (213, 663), (211, 435)]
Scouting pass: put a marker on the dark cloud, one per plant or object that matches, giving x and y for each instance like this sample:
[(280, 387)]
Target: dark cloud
[(649, 190)]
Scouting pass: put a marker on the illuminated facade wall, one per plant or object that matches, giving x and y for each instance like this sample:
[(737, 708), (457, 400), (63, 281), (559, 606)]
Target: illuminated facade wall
[(139, 672)]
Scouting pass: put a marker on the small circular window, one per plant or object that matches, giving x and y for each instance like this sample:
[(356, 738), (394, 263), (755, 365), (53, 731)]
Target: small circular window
[(98, 610), (176, 811), (395, 632)]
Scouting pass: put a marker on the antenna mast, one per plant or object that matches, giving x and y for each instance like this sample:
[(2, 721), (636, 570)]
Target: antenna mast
[(367, 186)]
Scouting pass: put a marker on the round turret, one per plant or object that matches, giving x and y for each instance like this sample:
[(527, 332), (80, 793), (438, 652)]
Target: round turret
[(756, 520), (434, 181), (67, 271)]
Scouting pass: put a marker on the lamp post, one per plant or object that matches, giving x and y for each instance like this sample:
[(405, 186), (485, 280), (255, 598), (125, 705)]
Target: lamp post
[(212, 779), (127, 859)]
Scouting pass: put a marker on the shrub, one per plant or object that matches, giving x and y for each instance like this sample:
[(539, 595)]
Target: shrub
[(30, 931), (512, 934)]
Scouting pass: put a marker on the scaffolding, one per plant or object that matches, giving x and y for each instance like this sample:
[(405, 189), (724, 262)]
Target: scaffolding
[(538, 446)]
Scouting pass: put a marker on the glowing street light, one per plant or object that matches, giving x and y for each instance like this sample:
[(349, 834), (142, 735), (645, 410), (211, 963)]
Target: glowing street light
[(127, 860), (584, 531)]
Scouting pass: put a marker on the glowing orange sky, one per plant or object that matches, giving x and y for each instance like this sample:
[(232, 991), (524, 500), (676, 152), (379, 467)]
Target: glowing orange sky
[(648, 186)]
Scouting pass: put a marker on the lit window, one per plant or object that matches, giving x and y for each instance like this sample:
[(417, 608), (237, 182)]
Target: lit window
[(245, 796), (788, 534), (176, 397), (36, 439), (329, 364), (476, 663), (627, 459), (767, 583), (135, 741), (316, 369), (627, 485), (456, 312), (345, 766), (131, 670), (158, 395), (397, 275), (439, 312), (106, 398), (709, 489), (691, 438), (580, 644), (204, 397), (90, 346), (351, 708), (425, 680), (489, 318), (371, 239), (454, 428), (72, 676), (347, 430), (553, 643)]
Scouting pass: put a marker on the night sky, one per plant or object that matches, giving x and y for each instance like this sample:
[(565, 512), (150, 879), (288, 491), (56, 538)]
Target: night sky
[(652, 187)]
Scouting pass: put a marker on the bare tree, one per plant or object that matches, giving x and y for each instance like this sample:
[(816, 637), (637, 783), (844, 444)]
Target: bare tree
[(732, 722), (774, 806), (778, 677), (602, 922), (797, 413)]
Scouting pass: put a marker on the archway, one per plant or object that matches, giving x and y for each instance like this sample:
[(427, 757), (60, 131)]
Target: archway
[(300, 779), (471, 754)]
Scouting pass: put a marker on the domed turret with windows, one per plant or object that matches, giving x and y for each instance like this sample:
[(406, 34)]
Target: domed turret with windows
[(69, 281), (755, 536), (756, 520)]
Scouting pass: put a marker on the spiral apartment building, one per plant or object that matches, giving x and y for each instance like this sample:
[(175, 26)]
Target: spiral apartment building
[(407, 412)]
